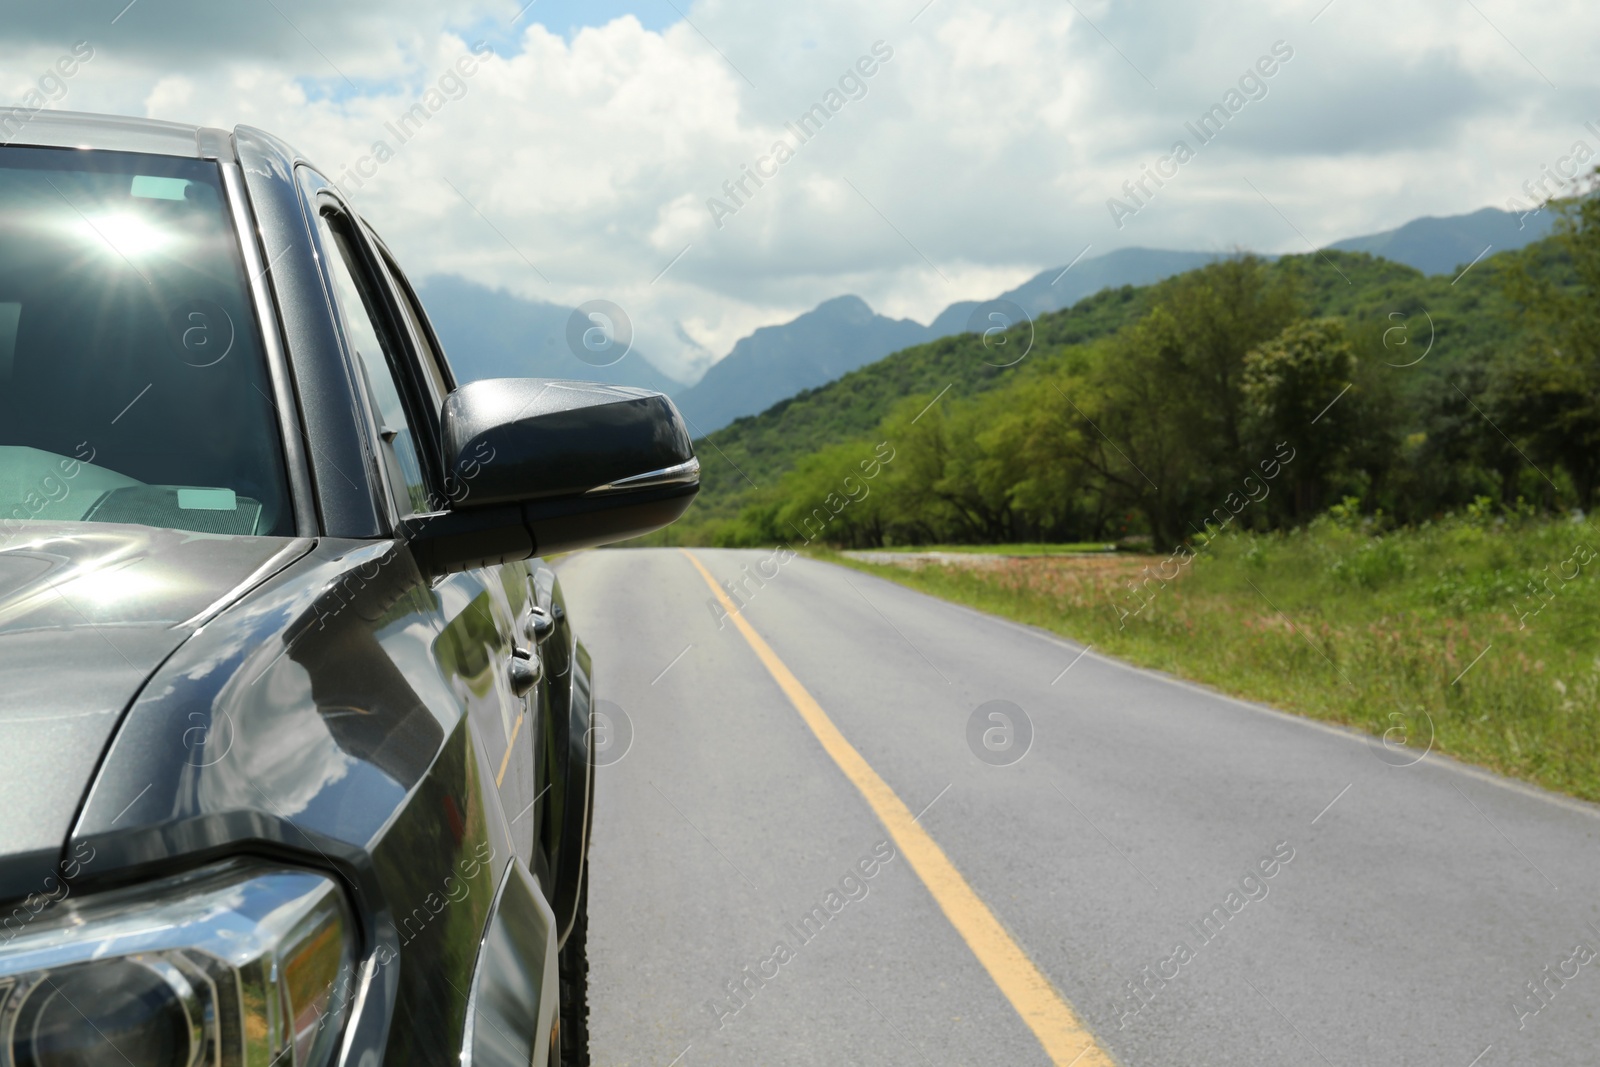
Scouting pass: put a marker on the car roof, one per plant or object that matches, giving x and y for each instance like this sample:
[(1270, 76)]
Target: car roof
[(72, 129)]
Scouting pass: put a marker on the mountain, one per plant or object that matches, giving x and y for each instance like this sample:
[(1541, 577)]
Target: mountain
[(843, 334), (1062, 287), (1445, 245), (779, 361), (491, 334), (1430, 245)]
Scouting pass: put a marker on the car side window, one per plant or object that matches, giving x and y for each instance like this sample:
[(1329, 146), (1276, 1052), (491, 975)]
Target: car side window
[(431, 358), (377, 353)]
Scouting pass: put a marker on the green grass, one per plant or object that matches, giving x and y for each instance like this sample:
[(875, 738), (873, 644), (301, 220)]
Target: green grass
[(1008, 550), (1377, 631)]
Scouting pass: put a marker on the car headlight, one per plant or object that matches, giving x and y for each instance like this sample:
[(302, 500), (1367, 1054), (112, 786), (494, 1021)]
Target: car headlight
[(239, 964)]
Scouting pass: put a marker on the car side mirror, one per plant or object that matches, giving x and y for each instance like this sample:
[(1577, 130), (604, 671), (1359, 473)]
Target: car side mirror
[(538, 466)]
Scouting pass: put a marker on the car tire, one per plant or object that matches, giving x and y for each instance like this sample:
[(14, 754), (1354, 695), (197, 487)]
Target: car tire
[(573, 964)]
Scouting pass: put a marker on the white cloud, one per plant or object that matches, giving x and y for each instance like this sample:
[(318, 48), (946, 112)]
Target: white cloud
[(988, 144)]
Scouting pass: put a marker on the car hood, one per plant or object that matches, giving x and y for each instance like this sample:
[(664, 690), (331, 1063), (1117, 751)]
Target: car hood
[(87, 613)]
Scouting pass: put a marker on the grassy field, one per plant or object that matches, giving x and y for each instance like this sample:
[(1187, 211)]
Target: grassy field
[(1010, 550), (1433, 632)]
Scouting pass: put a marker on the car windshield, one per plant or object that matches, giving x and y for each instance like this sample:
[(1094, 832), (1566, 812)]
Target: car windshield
[(133, 385)]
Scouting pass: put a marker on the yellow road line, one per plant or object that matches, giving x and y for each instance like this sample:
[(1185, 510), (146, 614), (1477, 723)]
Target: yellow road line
[(1065, 1039), (511, 742)]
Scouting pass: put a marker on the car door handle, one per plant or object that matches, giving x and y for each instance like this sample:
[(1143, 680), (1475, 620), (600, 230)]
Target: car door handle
[(539, 625), (524, 671)]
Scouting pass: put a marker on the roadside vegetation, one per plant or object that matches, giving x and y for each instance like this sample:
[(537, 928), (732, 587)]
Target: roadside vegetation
[(1016, 549), (1479, 631)]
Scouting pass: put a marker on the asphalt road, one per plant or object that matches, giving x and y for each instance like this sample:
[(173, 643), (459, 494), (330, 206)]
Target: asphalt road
[(1418, 903)]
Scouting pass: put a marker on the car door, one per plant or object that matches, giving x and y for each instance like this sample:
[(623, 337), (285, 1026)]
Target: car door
[(483, 645), (477, 619), (520, 779)]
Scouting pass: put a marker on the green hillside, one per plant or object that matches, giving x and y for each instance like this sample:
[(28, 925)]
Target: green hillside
[(1389, 309), (754, 451)]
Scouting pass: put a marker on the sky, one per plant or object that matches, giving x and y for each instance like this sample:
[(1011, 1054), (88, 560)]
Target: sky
[(574, 150)]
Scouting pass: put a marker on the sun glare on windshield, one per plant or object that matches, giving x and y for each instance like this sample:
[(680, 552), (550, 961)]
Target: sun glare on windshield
[(133, 388)]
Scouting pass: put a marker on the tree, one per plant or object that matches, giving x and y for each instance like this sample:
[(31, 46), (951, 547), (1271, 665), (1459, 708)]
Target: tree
[(1220, 313), (1139, 428), (945, 485), (1033, 445), (1165, 408), (1453, 456), (830, 497), (1548, 394), (1296, 389)]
